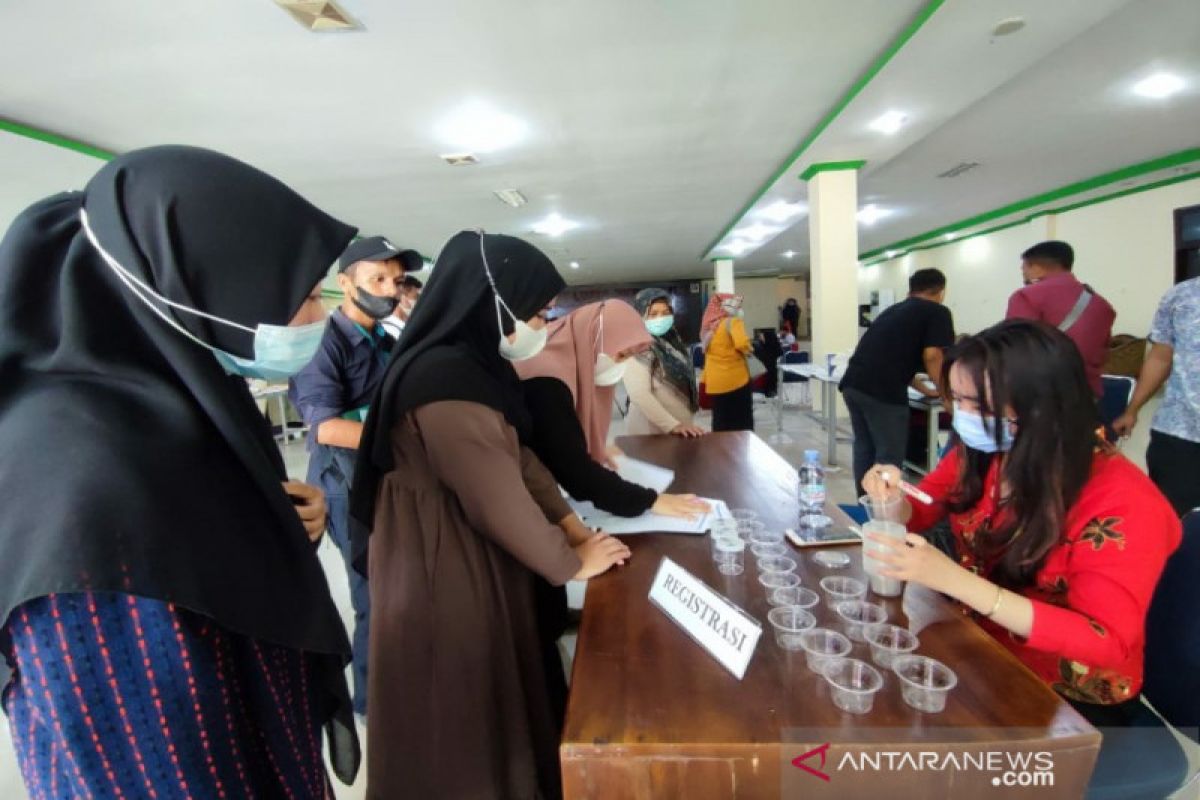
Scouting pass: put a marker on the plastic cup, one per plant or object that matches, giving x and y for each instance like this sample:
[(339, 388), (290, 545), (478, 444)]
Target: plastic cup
[(725, 525), (831, 559), (889, 641), (883, 519), (743, 514), (765, 536), (853, 684), (859, 614), (821, 646), (730, 556), (789, 622), (924, 682), (776, 564), (749, 527), (773, 550), (838, 588), (778, 580), (717, 537), (793, 596)]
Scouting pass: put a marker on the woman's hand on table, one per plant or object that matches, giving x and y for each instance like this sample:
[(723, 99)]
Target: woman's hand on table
[(611, 455), (599, 553), (310, 507), (577, 532), (687, 506), (914, 559), (687, 431)]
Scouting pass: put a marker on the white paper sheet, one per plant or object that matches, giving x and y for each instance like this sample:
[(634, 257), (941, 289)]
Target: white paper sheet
[(644, 473), (649, 522)]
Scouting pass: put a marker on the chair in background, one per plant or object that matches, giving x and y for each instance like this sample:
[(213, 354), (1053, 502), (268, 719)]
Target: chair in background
[(1146, 761), (1117, 391), (805, 397)]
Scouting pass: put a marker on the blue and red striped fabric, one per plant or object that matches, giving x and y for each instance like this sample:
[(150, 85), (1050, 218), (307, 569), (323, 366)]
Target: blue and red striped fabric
[(117, 696)]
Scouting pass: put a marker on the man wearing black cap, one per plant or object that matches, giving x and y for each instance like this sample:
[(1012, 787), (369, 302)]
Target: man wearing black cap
[(332, 393)]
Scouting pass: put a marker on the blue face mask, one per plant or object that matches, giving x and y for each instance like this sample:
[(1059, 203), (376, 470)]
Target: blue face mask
[(279, 351), (659, 326), (980, 435)]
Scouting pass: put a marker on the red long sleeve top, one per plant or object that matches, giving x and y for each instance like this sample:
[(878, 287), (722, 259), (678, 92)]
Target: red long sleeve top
[(1091, 595)]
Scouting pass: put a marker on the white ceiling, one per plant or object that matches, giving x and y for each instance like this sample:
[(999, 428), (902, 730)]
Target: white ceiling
[(649, 123)]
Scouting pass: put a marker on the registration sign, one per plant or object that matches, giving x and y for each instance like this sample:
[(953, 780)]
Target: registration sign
[(720, 627)]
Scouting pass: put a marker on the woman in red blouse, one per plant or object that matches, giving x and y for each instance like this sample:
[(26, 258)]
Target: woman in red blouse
[(1061, 539)]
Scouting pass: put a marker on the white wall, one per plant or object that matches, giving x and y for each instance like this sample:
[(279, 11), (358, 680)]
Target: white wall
[(1125, 248), (762, 298)]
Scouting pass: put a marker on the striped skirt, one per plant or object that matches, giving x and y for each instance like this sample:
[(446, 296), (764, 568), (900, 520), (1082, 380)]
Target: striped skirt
[(117, 696)]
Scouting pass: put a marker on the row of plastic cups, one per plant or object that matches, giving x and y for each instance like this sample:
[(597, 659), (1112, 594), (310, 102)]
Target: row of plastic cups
[(924, 683)]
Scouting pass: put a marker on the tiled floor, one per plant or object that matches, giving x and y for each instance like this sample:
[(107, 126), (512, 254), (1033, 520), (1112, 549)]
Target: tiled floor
[(799, 432)]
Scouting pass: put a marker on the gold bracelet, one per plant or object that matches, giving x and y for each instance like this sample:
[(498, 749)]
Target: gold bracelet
[(996, 605)]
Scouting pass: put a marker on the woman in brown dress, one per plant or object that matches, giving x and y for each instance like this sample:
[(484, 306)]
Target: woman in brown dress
[(461, 518)]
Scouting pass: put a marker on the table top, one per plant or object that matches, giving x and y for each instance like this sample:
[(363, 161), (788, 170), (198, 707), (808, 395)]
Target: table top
[(639, 680), (815, 371)]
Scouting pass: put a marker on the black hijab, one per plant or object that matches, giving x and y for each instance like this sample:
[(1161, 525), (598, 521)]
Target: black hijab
[(449, 351), (130, 462)]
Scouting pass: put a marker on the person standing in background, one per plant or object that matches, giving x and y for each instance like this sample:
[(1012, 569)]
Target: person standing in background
[(332, 392), (903, 340), (789, 315), (166, 629), (1052, 294), (661, 382), (410, 290), (726, 376), (1173, 457)]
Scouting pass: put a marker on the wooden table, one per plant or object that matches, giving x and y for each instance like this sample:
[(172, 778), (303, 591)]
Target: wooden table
[(651, 715)]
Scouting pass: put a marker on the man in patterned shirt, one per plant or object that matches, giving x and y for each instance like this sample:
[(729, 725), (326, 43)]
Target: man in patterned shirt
[(1173, 457)]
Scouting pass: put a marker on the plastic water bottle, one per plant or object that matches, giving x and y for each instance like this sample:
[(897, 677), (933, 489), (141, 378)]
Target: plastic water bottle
[(812, 484)]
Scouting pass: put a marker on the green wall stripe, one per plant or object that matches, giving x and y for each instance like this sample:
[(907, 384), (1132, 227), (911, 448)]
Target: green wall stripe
[(64, 142), (1095, 182), (876, 67), (1046, 212), (830, 166)]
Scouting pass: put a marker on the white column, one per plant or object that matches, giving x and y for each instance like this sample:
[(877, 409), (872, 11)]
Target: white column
[(833, 257), (723, 275)]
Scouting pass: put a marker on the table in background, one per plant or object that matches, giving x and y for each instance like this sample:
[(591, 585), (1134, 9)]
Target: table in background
[(828, 417), (277, 392), (932, 407), (651, 715)]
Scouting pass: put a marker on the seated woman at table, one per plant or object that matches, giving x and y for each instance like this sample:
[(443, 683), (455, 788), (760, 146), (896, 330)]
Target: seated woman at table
[(660, 380), (1061, 539)]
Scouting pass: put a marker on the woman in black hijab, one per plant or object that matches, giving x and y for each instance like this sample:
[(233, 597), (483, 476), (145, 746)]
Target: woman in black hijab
[(461, 517), (165, 624)]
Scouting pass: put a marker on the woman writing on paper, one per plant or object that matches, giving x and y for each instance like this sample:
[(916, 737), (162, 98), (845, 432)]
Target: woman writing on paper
[(1061, 539), (726, 376), (660, 381), (461, 519)]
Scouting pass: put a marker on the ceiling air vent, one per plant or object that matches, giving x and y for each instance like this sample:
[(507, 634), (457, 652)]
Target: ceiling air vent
[(959, 169), (460, 159), (319, 16)]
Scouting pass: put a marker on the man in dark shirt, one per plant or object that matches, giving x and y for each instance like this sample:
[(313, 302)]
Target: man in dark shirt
[(903, 340), (332, 394), (1052, 294)]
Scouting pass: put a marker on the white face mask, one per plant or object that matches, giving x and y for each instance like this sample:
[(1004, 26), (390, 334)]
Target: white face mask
[(280, 351), (608, 371), (526, 342)]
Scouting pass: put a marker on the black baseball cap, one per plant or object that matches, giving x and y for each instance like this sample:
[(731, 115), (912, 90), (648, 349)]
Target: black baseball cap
[(371, 248), (411, 260)]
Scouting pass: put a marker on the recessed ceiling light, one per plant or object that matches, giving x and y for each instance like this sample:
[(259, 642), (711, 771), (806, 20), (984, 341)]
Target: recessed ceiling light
[(888, 123), (477, 127), (950, 236), (1159, 85), (782, 211), (511, 197), (738, 246), (789, 253), (756, 232), (574, 265), (891, 253), (554, 224), (871, 213)]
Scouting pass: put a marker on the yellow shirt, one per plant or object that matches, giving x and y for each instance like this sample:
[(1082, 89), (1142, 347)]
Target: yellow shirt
[(725, 360)]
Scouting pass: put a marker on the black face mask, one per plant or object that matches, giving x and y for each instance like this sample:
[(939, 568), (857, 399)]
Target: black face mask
[(373, 305)]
